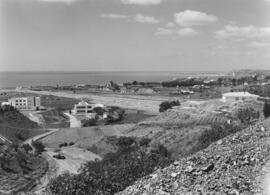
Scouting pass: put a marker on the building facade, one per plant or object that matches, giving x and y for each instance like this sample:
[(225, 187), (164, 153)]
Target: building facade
[(25, 103), (82, 108), (239, 96)]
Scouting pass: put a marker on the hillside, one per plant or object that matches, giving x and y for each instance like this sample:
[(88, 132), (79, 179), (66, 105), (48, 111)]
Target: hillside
[(194, 125), (229, 166), (15, 126), (19, 169)]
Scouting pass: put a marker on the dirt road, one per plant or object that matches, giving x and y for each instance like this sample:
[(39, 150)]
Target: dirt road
[(74, 122)]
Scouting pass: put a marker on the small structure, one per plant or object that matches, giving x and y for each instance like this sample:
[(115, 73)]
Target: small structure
[(85, 108), (5, 104), (237, 96), (25, 103)]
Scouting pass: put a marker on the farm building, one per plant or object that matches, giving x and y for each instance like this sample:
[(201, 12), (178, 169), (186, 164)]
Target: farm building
[(236, 96)]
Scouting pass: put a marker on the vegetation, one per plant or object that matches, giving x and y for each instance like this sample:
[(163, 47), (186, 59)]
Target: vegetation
[(19, 169), (115, 172), (216, 132), (266, 109), (247, 115), (115, 114), (39, 147), (99, 110), (15, 126), (89, 122), (168, 105)]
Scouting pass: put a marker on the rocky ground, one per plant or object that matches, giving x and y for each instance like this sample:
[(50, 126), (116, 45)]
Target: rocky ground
[(232, 165)]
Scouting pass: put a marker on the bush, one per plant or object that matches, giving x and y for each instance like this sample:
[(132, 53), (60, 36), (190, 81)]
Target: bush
[(63, 145), (39, 147), (115, 114), (99, 110), (266, 110), (216, 132), (145, 141), (168, 105), (247, 115), (27, 147), (89, 122), (114, 173)]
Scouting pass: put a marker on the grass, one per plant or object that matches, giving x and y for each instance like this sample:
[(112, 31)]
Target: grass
[(55, 118), (62, 103), (17, 127)]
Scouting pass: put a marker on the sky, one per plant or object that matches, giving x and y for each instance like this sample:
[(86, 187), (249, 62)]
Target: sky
[(134, 35)]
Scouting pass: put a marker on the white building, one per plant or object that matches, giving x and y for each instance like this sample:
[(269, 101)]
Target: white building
[(82, 108), (239, 96), (25, 103)]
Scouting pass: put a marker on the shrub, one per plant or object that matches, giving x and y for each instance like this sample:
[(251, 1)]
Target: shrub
[(39, 147), (89, 122), (168, 105), (114, 173), (145, 141), (99, 110), (247, 115), (266, 110), (216, 132), (115, 114), (27, 147), (63, 145)]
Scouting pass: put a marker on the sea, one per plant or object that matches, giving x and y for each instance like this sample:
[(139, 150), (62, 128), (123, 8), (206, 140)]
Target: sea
[(26, 79)]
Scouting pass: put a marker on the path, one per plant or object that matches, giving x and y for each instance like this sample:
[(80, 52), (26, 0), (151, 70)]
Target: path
[(74, 122)]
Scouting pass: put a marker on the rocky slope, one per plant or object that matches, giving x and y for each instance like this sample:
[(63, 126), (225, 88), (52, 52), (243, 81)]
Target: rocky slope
[(232, 165)]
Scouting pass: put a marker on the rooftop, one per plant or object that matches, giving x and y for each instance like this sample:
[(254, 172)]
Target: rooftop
[(240, 94)]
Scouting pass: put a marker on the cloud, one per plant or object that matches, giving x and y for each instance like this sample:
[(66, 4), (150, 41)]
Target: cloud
[(146, 19), (164, 31), (257, 44), (236, 32), (113, 16), (142, 2), (184, 32), (194, 18), (60, 1), (170, 25)]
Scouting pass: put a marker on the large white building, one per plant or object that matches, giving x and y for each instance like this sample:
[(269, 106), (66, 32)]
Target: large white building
[(238, 96), (25, 103), (85, 108)]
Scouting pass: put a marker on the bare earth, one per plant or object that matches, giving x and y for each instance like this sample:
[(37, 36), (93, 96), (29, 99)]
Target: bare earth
[(149, 104)]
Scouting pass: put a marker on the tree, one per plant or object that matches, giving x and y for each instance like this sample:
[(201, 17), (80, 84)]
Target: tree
[(168, 105), (89, 122), (99, 110), (39, 147), (266, 110)]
